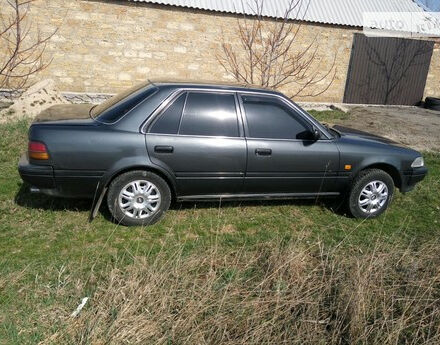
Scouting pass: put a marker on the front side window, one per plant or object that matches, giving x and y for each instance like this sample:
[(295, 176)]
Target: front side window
[(209, 114), (268, 117)]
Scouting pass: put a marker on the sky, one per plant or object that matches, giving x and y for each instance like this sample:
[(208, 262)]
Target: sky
[(433, 5)]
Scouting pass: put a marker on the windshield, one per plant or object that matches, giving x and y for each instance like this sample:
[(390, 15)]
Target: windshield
[(117, 106)]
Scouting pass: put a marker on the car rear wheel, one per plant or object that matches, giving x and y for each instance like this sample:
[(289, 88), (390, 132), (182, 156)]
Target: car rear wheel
[(371, 193), (138, 198)]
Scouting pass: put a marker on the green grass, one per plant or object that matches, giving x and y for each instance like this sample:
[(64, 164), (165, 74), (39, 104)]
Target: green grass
[(329, 115), (51, 256)]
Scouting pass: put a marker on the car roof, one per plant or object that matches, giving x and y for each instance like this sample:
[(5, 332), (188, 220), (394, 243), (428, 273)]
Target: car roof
[(233, 86)]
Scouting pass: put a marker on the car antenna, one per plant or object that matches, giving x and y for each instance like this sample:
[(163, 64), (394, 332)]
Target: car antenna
[(152, 83)]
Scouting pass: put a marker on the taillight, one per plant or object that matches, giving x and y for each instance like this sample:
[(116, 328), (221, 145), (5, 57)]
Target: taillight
[(37, 150)]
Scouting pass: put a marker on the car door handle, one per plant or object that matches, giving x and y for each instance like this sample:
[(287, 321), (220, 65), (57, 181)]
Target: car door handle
[(163, 149), (263, 152)]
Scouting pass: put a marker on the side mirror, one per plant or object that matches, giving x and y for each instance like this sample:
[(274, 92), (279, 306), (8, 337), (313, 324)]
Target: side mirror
[(315, 133)]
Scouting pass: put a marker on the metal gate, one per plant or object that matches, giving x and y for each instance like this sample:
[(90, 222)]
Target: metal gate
[(385, 70)]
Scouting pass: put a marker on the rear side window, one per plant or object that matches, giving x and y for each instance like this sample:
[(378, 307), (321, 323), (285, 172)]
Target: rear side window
[(209, 114), (168, 122), (268, 117)]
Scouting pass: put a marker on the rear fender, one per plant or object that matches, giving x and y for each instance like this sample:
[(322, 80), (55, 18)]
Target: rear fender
[(121, 166)]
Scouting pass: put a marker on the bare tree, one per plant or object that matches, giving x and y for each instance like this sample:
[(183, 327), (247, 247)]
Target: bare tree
[(268, 53), (22, 48)]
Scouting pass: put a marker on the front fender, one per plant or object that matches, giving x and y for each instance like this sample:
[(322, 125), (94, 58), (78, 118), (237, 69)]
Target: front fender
[(377, 161), (391, 166)]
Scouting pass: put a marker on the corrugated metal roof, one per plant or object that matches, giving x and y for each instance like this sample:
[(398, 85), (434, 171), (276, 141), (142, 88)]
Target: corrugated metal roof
[(340, 12)]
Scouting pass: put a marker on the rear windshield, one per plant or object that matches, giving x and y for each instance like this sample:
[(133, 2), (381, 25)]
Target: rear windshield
[(116, 107)]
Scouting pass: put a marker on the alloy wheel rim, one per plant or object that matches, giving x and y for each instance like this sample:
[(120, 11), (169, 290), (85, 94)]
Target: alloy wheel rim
[(139, 199), (373, 197)]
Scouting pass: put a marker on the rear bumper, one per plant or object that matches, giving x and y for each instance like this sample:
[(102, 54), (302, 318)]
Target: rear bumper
[(69, 184), (411, 178), (39, 176)]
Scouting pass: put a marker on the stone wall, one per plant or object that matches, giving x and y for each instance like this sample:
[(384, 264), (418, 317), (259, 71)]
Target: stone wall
[(107, 46)]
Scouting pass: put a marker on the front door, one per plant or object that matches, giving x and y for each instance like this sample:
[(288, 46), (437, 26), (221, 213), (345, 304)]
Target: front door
[(282, 158), (198, 139)]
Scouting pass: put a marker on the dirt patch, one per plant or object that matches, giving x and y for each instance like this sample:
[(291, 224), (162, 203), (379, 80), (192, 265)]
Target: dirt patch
[(227, 229), (416, 127), (37, 98)]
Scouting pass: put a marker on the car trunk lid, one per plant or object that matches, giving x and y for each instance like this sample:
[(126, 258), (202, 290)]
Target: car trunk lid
[(66, 114)]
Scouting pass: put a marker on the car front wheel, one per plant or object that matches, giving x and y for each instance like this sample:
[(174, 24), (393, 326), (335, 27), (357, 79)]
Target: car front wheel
[(371, 193), (138, 198)]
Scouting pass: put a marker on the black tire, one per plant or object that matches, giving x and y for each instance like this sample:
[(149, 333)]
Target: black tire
[(122, 181), (361, 181), (432, 103)]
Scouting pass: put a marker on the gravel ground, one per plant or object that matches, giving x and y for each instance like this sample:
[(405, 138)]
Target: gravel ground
[(416, 127)]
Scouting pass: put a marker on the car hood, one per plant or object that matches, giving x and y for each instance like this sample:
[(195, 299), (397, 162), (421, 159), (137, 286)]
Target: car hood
[(365, 135), (66, 113)]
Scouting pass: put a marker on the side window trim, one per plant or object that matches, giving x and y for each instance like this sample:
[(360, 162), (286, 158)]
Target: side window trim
[(240, 115), (183, 112), (294, 111), (145, 126), (243, 114)]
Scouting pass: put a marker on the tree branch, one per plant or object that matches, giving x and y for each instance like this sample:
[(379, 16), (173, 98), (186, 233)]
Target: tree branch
[(24, 54), (264, 54)]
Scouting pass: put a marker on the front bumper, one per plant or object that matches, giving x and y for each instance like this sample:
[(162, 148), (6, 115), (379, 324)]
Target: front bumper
[(39, 176), (411, 178)]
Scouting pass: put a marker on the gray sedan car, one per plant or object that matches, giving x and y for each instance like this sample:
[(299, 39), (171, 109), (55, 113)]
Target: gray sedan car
[(185, 141)]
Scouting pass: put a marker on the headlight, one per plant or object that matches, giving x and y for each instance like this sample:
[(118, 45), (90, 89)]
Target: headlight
[(418, 162)]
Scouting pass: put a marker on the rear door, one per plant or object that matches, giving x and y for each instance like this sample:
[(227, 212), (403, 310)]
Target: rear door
[(282, 157), (199, 138)]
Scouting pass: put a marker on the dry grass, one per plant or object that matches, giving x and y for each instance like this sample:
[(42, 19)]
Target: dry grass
[(273, 294), (235, 273)]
